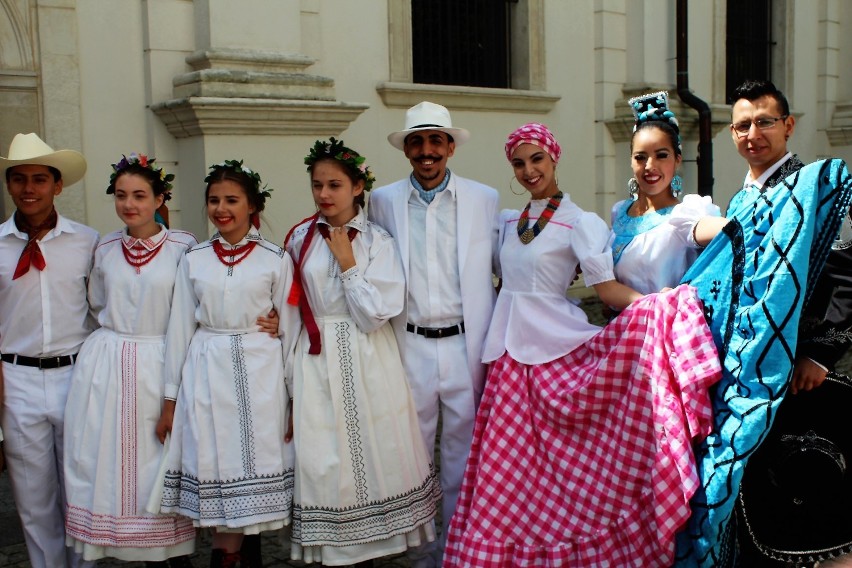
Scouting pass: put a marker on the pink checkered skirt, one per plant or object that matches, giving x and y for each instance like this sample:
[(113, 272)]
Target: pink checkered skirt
[(587, 460)]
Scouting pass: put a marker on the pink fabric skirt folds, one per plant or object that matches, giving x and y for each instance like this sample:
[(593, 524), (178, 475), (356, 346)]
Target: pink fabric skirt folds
[(587, 460)]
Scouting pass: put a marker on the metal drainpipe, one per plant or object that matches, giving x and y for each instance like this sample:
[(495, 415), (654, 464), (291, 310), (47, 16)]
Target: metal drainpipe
[(705, 142)]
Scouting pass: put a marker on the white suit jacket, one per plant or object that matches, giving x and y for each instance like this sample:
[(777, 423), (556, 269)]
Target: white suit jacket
[(477, 218)]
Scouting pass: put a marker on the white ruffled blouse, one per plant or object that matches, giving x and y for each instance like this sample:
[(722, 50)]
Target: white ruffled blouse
[(533, 319), (654, 251)]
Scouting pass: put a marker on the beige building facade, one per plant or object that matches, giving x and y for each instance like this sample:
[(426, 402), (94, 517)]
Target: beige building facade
[(196, 82)]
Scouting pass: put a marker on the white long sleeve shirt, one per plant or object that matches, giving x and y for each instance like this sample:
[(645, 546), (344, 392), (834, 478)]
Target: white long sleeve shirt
[(44, 313)]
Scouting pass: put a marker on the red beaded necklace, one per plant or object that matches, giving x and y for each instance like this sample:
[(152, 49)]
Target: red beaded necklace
[(527, 233), (236, 254), (143, 256)]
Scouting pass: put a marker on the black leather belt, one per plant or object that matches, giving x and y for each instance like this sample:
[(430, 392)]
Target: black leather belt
[(39, 362), (435, 332)]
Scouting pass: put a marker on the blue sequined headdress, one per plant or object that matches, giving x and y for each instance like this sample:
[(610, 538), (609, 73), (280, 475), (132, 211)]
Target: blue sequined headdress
[(654, 107)]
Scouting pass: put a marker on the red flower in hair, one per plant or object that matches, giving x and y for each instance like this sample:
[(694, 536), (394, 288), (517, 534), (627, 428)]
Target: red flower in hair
[(145, 162)]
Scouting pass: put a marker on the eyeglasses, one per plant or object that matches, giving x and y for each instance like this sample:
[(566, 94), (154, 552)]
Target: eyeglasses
[(763, 123)]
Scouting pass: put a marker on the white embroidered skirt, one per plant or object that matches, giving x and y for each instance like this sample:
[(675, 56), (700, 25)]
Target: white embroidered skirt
[(365, 485), (112, 454), (228, 466)]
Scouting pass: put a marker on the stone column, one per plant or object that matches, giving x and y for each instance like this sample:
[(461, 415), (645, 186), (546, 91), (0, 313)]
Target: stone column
[(249, 90)]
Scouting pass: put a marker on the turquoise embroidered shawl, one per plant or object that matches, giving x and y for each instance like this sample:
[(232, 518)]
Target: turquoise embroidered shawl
[(754, 279)]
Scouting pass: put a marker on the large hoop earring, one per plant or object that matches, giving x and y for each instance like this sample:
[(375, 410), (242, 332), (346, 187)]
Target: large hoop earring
[(677, 185), (512, 188), (633, 188)]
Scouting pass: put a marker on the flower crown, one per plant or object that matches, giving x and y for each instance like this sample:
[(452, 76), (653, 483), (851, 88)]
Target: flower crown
[(143, 161), (336, 150), (238, 167)]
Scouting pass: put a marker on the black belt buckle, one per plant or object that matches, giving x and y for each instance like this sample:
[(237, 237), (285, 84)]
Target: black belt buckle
[(50, 362), (435, 332)]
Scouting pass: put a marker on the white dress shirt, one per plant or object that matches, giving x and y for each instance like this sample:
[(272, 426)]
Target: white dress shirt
[(44, 313), (434, 286), (371, 292), (750, 183)]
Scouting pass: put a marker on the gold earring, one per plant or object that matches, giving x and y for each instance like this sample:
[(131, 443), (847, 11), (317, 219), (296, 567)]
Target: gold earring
[(511, 187)]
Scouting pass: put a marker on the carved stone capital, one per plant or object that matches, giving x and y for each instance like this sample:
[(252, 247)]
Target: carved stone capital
[(235, 91), (198, 116)]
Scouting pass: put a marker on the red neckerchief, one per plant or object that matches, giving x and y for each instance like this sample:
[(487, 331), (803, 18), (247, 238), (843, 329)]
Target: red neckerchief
[(297, 293), (32, 255), (323, 230)]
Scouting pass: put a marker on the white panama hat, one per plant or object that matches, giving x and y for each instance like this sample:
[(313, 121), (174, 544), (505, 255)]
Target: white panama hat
[(30, 149), (428, 116)]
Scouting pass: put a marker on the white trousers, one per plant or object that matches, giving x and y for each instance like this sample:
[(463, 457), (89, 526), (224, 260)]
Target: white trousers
[(437, 371), (33, 414)]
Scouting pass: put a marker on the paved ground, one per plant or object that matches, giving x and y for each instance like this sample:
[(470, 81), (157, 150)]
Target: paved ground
[(275, 554), (13, 553), (275, 551)]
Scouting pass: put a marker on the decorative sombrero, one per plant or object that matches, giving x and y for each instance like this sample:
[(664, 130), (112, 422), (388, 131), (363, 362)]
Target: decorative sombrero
[(796, 494)]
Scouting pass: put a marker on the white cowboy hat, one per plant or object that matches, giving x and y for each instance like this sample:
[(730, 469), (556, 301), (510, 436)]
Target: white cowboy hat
[(428, 116), (30, 149)]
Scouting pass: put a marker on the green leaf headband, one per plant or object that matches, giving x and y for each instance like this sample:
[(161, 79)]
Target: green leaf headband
[(336, 150), (238, 167)]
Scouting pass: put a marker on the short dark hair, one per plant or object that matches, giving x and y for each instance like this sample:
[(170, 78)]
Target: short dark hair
[(57, 175), (753, 89)]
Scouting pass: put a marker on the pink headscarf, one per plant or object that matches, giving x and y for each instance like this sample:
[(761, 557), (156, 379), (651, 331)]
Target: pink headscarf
[(536, 134)]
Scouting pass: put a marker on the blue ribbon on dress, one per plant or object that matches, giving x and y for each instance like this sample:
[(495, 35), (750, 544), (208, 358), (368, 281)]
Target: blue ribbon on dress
[(754, 279), (625, 227)]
